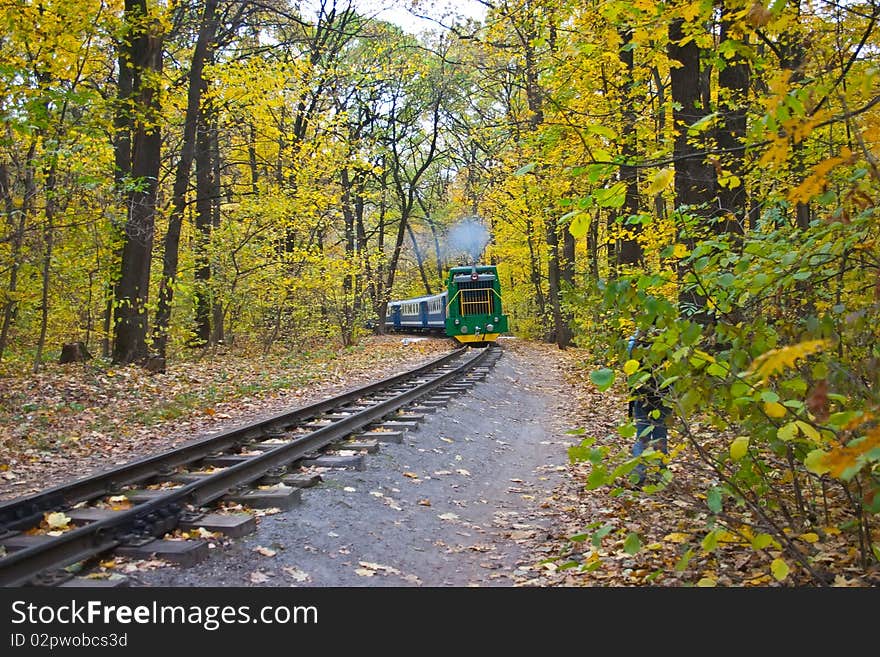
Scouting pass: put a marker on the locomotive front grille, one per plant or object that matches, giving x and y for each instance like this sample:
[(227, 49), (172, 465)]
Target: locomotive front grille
[(477, 302)]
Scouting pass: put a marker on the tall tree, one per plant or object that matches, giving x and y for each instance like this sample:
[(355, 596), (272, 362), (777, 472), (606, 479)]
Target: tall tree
[(206, 34), (694, 176), (140, 60)]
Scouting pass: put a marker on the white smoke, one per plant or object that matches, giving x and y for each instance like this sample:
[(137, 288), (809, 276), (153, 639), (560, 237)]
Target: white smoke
[(469, 236)]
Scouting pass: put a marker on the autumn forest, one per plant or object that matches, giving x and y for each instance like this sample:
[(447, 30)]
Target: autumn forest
[(178, 174)]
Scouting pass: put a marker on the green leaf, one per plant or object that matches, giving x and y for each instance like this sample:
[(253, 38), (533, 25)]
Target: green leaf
[(787, 431), (603, 378), (627, 430), (525, 169), (769, 396), (601, 533), (713, 500), (739, 447), (726, 280), (682, 563), (604, 131), (632, 544), (760, 541), (815, 462), (598, 477), (710, 541), (611, 197), (779, 569)]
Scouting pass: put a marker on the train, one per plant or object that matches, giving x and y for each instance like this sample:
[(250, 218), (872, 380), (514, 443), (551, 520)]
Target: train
[(470, 310)]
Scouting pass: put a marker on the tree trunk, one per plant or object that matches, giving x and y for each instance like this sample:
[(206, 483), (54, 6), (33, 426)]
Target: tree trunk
[(419, 259), (197, 87), (207, 193), (733, 82), (629, 251), (694, 179), (17, 227), (144, 53)]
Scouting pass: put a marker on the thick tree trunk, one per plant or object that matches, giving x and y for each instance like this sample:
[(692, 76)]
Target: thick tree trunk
[(694, 179), (144, 51), (17, 220)]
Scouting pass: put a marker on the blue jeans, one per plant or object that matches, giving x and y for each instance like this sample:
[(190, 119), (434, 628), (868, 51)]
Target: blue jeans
[(650, 432)]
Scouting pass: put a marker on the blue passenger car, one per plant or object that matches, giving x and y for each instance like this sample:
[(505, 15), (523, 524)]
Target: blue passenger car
[(420, 314)]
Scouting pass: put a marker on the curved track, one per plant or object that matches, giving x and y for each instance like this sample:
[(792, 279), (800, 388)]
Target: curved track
[(252, 453)]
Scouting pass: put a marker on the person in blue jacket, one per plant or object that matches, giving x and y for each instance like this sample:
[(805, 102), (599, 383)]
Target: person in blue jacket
[(647, 410)]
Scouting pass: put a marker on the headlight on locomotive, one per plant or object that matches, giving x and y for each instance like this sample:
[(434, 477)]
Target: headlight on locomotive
[(490, 328), (464, 329)]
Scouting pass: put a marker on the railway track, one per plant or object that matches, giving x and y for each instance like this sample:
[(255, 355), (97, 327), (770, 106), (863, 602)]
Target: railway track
[(129, 508)]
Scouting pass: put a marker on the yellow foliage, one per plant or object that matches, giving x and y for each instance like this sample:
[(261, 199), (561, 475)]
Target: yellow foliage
[(776, 361), (815, 182), (841, 459)]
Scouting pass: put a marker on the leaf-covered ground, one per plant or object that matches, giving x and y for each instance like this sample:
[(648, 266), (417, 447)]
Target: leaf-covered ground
[(70, 420), (657, 539)]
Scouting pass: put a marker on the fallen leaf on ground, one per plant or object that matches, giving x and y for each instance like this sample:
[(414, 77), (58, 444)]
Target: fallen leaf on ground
[(296, 574), (266, 552), (57, 520)]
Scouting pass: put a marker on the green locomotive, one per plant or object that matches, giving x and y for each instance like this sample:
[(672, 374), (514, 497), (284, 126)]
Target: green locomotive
[(474, 311), (470, 310)]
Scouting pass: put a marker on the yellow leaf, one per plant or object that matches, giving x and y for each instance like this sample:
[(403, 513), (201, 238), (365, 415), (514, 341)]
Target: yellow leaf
[(739, 447), (815, 182), (809, 537), (57, 520), (630, 366), (706, 582), (778, 360), (809, 430), (779, 569), (774, 409), (677, 537), (661, 181), (815, 462), (680, 250)]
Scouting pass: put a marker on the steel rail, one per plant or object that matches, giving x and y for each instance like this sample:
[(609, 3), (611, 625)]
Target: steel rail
[(25, 511), (152, 517)]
